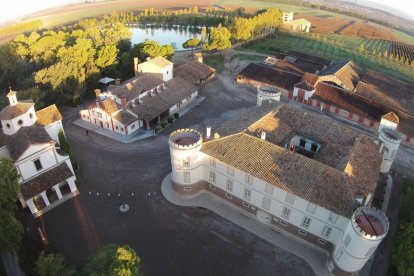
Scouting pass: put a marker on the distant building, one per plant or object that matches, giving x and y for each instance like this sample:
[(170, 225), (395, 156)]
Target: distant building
[(30, 139), (299, 25), (296, 172), (145, 100)]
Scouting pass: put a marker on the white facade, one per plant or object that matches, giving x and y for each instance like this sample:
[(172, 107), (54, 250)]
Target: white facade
[(267, 203), (391, 140), (287, 16), (158, 67), (36, 159)]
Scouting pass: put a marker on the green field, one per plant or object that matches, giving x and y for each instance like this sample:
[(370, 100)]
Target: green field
[(406, 38), (264, 5), (328, 47), (215, 60)]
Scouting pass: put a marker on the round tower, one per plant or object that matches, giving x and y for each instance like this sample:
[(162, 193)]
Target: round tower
[(185, 145), (391, 140), (267, 93), (367, 228)]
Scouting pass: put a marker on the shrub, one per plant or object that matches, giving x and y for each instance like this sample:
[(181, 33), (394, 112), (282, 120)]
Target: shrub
[(157, 129), (170, 119), (176, 115), (163, 125)]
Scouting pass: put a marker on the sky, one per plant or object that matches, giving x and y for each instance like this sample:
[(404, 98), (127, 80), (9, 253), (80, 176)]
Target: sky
[(16, 8)]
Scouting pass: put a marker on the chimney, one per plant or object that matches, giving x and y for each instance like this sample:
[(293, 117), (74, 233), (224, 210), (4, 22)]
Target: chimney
[(208, 132), (124, 102), (12, 97), (98, 94), (263, 135), (118, 81)]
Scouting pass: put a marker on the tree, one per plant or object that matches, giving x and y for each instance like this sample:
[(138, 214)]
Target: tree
[(242, 28), (9, 185), (403, 253), (153, 49), (114, 261), (361, 48), (10, 228), (219, 38), (203, 34), (53, 265), (192, 43)]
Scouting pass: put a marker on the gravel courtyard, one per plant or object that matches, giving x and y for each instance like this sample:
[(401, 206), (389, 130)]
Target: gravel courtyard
[(170, 240)]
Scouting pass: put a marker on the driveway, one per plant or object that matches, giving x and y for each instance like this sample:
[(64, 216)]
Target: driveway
[(170, 240)]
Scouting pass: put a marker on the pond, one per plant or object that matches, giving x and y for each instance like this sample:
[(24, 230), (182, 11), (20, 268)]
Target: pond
[(174, 35)]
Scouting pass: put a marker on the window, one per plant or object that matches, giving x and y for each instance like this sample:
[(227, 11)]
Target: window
[(133, 126), (230, 170), (347, 240), (122, 129), (302, 232), (286, 213), (302, 143), (249, 179), (186, 162), (290, 198), (212, 187), (37, 164), (229, 185), (247, 194), (326, 232), (338, 254), (229, 196), (107, 125), (20, 122), (186, 177), (269, 188), (212, 162), (370, 251), (99, 114), (245, 204), (306, 222), (116, 127), (332, 217), (30, 115), (8, 125), (314, 147), (311, 208), (187, 189), (284, 223), (321, 241), (266, 203), (212, 177)]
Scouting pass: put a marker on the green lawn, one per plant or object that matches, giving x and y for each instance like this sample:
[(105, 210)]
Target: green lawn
[(336, 48), (216, 61), (248, 57)]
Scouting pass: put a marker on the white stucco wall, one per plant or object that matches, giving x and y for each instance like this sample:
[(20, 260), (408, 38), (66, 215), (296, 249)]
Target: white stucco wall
[(45, 153)]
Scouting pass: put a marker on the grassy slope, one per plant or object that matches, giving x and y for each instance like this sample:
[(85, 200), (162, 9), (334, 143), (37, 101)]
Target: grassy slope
[(404, 37), (326, 49)]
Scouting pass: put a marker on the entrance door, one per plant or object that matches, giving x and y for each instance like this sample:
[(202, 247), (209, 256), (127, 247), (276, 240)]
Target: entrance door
[(263, 217), (101, 123)]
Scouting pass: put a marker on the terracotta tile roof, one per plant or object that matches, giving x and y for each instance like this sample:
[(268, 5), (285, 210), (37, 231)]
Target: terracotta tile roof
[(310, 78), (194, 71), (132, 88), (48, 115), (295, 173), (305, 86), (109, 105), (286, 121), (160, 62), (269, 76), (13, 111), (24, 138), (345, 100), (392, 117), (124, 117), (346, 71), (176, 90), (45, 181)]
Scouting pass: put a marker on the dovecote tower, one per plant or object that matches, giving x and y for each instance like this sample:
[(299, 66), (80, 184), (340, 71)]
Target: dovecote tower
[(267, 93), (367, 228), (391, 140), (185, 145)]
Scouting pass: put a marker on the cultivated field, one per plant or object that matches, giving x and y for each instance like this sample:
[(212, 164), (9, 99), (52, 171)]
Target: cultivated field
[(368, 30), (339, 49), (402, 51)]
